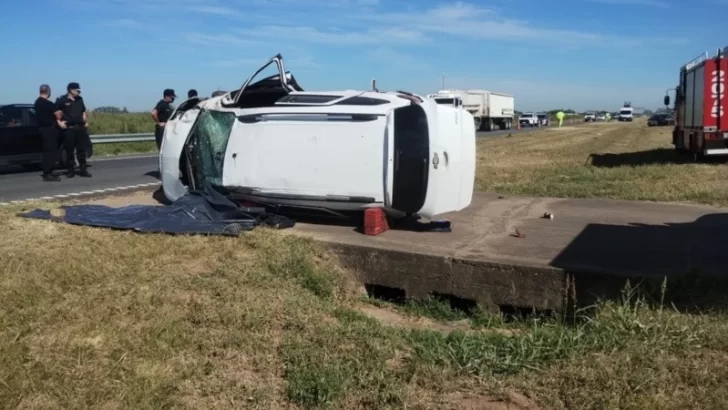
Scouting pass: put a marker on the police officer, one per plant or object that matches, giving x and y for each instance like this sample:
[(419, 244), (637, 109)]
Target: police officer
[(161, 113), (193, 97), (48, 117), (74, 116)]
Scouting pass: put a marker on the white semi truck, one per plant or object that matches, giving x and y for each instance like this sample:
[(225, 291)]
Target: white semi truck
[(491, 110)]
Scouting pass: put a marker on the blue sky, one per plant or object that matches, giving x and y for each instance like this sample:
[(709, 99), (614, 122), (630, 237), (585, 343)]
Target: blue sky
[(588, 54)]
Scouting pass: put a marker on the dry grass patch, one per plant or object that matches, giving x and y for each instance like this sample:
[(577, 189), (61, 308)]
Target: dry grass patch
[(102, 318), (607, 160)]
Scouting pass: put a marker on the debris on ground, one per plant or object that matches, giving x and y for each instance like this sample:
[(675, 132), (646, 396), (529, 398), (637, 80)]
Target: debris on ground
[(518, 234), (204, 212)]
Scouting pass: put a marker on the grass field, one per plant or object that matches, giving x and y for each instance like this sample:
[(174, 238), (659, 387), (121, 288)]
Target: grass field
[(131, 123), (602, 160), (267, 320)]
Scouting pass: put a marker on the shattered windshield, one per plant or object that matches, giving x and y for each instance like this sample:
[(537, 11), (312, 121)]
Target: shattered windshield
[(208, 144)]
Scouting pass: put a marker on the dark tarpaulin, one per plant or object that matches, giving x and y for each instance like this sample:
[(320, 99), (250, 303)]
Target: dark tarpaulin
[(205, 212)]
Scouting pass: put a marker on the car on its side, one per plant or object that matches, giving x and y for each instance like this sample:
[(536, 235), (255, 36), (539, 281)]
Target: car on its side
[(271, 143)]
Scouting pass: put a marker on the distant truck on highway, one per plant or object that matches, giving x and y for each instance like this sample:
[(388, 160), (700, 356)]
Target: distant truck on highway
[(626, 113), (701, 102), (491, 110)]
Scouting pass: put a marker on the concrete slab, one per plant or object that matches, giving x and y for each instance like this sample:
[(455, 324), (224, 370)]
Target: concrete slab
[(589, 249), (618, 237), (592, 246)]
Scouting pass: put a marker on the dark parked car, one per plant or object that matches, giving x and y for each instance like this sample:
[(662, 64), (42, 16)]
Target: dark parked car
[(20, 141), (660, 119)]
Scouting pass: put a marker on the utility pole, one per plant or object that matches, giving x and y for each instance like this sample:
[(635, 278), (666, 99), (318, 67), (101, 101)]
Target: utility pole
[(443, 81)]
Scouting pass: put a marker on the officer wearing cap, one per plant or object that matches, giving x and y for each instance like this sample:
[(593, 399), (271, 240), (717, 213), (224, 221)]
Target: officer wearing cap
[(161, 113), (192, 97), (74, 124)]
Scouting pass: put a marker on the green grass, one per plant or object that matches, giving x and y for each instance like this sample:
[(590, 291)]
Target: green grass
[(131, 123), (604, 160), (269, 320)]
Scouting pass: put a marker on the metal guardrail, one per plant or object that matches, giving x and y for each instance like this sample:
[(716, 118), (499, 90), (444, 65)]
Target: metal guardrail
[(116, 138)]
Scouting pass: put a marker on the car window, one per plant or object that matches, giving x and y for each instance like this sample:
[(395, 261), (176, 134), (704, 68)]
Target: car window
[(14, 116), (10, 116)]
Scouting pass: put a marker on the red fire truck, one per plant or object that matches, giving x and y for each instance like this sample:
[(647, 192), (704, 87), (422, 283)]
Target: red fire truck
[(701, 102)]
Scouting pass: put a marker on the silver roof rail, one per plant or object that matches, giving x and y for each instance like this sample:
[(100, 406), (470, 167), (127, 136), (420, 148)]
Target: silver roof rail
[(697, 60)]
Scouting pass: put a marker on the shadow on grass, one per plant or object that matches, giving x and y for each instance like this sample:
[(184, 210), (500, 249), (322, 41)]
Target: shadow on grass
[(658, 156), (685, 264)]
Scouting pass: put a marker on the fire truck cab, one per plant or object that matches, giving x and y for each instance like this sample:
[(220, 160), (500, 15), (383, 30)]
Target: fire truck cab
[(701, 124)]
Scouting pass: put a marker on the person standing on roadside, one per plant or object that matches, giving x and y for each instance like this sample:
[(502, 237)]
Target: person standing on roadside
[(161, 113), (48, 116), (76, 120)]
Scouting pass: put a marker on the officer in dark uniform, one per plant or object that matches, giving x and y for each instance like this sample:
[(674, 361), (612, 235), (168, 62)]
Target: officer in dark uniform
[(74, 115), (161, 113), (47, 115)]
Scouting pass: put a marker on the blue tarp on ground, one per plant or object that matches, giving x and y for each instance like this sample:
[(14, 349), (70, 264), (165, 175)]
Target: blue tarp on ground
[(205, 212)]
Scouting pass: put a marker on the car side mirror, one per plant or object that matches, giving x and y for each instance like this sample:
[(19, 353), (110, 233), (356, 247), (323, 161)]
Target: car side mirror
[(667, 100)]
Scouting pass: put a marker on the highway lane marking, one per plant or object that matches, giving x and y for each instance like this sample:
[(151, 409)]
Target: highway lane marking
[(82, 193)]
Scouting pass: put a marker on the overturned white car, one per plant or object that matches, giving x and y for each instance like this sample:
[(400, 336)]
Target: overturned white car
[(272, 143)]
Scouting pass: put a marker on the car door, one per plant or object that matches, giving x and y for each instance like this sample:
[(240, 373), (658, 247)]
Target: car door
[(19, 135), (176, 132)]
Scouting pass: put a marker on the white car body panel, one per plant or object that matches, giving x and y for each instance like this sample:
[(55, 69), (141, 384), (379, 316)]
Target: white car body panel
[(332, 155)]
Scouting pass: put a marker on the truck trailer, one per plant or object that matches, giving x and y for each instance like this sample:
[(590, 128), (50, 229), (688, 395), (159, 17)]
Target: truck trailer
[(701, 126), (490, 110)]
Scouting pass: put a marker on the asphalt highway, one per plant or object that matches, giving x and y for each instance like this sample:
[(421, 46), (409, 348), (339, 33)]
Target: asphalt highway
[(109, 174)]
